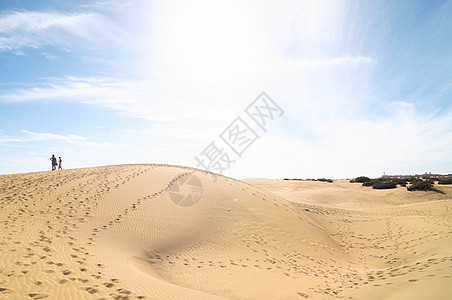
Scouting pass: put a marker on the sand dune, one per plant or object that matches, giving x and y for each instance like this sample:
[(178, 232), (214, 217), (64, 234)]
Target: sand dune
[(130, 232)]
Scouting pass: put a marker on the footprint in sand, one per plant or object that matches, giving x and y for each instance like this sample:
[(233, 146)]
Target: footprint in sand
[(302, 295), (4, 291), (38, 295), (91, 290), (122, 291)]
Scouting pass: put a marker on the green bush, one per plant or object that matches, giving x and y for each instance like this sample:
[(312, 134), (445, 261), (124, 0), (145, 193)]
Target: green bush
[(445, 181), (362, 179), (379, 185), (370, 182), (415, 180), (421, 186), (325, 180), (400, 181)]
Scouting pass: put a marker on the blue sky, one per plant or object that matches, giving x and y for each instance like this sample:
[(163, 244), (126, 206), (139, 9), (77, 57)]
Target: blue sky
[(365, 86)]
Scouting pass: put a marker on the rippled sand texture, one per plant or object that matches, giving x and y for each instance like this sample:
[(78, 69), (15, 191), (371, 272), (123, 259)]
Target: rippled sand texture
[(115, 233)]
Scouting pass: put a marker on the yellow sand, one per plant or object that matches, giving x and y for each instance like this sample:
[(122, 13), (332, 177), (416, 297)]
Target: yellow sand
[(115, 233)]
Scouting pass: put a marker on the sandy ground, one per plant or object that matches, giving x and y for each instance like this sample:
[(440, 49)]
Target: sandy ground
[(127, 232)]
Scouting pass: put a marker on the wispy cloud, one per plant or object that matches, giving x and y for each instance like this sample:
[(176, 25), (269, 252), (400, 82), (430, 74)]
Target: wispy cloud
[(40, 136), (26, 136), (403, 143), (31, 29), (142, 99), (8, 139)]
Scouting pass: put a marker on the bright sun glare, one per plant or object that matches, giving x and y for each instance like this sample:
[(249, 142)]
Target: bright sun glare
[(207, 39)]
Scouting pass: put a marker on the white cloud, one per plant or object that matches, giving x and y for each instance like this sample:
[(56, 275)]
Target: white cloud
[(42, 136), (347, 148), (7, 139), (142, 99), (211, 71), (175, 131), (70, 139), (36, 29), (49, 56)]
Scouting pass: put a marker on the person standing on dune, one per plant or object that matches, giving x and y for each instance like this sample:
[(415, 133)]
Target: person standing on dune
[(60, 162), (54, 162)]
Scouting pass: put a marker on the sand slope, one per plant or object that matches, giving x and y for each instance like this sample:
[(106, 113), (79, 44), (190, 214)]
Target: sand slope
[(115, 233), (400, 242)]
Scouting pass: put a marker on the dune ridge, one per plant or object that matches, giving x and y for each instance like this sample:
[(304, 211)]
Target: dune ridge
[(115, 233)]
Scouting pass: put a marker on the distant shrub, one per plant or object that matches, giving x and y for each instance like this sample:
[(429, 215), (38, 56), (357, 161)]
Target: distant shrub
[(362, 179), (445, 181), (379, 185), (370, 182), (352, 181), (421, 186), (325, 180), (415, 180), (400, 181), (409, 179)]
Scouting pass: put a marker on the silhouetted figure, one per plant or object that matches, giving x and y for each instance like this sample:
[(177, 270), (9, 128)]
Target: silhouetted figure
[(54, 162), (60, 162)]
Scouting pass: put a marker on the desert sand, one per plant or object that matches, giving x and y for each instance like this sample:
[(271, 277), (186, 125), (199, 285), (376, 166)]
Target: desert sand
[(127, 232)]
